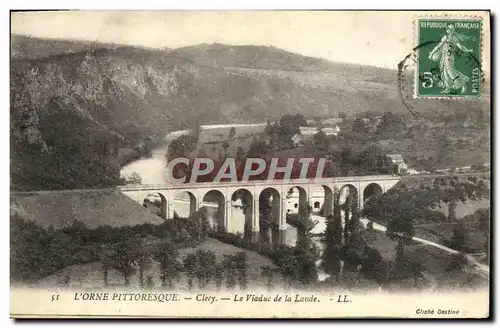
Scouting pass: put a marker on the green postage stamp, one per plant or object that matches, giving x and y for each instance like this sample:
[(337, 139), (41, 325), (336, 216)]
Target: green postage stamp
[(448, 57)]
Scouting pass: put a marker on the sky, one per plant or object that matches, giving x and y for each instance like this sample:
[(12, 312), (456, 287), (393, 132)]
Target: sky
[(371, 38)]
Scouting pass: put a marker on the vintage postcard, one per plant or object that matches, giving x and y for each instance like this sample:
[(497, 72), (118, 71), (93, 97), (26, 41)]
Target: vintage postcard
[(250, 164)]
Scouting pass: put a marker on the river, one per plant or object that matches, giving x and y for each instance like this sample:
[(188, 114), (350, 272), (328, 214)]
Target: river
[(152, 171)]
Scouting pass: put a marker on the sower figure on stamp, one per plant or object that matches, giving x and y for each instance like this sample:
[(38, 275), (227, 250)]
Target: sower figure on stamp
[(450, 78)]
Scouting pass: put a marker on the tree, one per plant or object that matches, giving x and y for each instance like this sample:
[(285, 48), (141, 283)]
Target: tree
[(265, 211), (197, 225), (409, 267), (225, 145), (268, 272), (390, 125), (456, 262), (291, 124), (335, 227), (369, 226), (333, 239), (353, 227), (288, 266), (452, 190), (257, 149), (207, 265), (170, 268), (483, 220), (459, 237), (190, 267), (332, 255), (399, 207), (308, 246), (230, 271), (61, 156), (354, 253), (182, 146), (134, 179), (281, 133), (195, 131), (306, 254), (333, 233), (349, 206), (143, 262), (373, 160), (346, 160), (320, 142), (106, 256), (218, 276), (280, 137), (400, 225), (232, 132), (77, 229), (360, 128), (125, 258), (373, 268), (304, 222), (240, 261)]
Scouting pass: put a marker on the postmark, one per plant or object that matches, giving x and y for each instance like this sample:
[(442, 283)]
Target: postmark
[(248, 181), (448, 57)]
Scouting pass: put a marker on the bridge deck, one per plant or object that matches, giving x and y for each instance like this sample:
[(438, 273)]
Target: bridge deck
[(321, 181)]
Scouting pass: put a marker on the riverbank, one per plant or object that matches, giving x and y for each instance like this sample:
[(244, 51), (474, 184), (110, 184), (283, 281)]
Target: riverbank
[(151, 163)]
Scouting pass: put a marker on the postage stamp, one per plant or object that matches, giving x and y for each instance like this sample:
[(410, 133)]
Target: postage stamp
[(449, 57), (250, 164)]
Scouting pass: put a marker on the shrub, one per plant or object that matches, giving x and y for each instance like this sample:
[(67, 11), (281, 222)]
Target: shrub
[(297, 264), (37, 253)]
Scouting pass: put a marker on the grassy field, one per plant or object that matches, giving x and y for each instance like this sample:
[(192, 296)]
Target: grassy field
[(215, 150), (91, 275), (413, 149), (433, 260), (440, 231), (95, 208), (255, 261), (436, 228), (211, 140), (383, 244), (467, 208), (221, 134)]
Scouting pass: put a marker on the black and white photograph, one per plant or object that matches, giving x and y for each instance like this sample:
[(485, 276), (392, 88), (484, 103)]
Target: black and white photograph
[(250, 164)]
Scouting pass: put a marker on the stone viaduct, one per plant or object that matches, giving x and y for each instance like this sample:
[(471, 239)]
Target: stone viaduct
[(252, 193)]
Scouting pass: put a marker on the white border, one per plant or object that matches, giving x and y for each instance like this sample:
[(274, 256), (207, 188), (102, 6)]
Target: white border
[(192, 4)]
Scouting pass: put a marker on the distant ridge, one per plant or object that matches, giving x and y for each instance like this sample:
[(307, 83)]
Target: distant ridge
[(75, 104), (29, 47), (273, 58)]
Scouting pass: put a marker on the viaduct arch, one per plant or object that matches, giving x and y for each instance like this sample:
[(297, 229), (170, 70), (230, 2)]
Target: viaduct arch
[(259, 202)]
